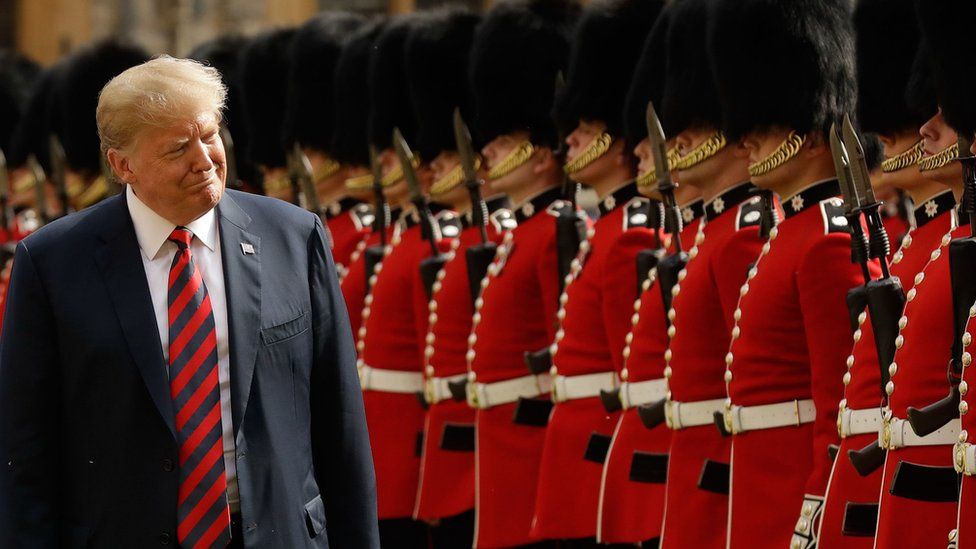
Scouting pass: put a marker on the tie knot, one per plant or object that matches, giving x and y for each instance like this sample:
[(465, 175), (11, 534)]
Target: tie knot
[(181, 236)]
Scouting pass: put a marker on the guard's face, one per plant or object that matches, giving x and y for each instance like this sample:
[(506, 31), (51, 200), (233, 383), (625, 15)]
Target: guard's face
[(762, 144), (178, 171), (645, 163), (937, 136), (496, 151), (578, 142), (894, 145)]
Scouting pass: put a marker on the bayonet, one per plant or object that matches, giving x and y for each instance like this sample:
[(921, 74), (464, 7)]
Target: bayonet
[(58, 172), (860, 176), (859, 241), (4, 193), (40, 189), (301, 171), (462, 139), (382, 219)]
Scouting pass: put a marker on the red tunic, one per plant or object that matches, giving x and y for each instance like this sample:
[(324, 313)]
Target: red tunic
[(790, 343), (920, 379), (348, 223), (390, 340), (850, 510), (697, 492), (569, 476), (632, 488), (446, 466), (966, 533), (353, 279), (517, 315)]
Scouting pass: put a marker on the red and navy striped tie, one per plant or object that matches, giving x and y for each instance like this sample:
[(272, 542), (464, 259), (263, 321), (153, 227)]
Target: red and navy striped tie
[(203, 516)]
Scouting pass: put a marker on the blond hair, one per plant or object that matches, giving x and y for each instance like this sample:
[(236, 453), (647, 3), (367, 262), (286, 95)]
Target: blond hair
[(157, 93)]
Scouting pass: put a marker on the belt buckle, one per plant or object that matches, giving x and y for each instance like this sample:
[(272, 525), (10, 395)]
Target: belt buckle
[(429, 390), (555, 395), (840, 419), (363, 376), (728, 419), (959, 457), (669, 413), (886, 430), (471, 392)]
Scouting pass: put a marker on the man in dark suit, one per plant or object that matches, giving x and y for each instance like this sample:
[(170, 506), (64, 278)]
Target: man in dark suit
[(176, 366)]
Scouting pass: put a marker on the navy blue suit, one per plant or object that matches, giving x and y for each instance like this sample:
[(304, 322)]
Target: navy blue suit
[(87, 435)]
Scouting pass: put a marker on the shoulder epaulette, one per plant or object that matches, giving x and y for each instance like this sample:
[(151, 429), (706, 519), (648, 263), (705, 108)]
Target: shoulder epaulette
[(750, 213), (449, 224), (637, 213), (362, 216), (503, 219), (834, 221)]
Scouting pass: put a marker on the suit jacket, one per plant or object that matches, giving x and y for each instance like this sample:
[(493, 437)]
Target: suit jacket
[(87, 434)]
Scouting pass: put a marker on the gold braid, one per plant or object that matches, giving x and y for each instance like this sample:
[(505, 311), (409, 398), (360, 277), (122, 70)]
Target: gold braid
[(452, 179), (939, 160), (396, 174), (786, 150), (359, 182), (904, 159), (519, 155), (707, 149), (598, 147), (276, 184), (328, 168), (650, 177)]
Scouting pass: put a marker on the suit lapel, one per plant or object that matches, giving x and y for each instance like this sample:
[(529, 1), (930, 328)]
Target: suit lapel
[(240, 251), (118, 258)]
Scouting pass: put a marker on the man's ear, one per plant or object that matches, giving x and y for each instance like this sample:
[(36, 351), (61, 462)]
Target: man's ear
[(120, 165), (543, 160)]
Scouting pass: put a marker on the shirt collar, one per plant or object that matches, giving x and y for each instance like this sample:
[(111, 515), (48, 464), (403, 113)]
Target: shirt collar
[(152, 229)]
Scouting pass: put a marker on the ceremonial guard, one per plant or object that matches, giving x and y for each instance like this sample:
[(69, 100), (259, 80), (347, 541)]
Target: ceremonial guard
[(263, 78), (519, 48), (722, 248), (887, 40), (436, 64), (309, 123), (789, 339), (595, 304), (350, 146), (945, 31), (390, 343)]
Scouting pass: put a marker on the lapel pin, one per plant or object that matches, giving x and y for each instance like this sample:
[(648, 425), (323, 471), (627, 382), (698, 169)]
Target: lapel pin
[(247, 248)]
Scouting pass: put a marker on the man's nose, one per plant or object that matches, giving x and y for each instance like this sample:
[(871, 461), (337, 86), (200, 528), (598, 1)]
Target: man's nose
[(202, 160)]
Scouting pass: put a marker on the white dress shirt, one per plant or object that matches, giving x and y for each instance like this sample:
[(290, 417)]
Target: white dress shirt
[(152, 232)]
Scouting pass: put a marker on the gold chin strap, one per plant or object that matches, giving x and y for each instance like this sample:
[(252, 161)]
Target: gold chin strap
[(939, 160), (276, 184), (904, 159), (360, 182), (396, 174), (707, 149), (326, 170), (519, 155), (788, 149), (650, 178), (452, 179), (598, 147), (94, 193), (25, 183)]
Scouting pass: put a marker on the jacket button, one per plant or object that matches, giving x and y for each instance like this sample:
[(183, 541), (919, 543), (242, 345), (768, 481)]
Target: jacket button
[(164, 538), (168, 465)]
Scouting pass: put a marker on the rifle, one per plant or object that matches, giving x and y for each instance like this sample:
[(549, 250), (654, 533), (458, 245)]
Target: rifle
[(58, 176), (962, 263), (429, 231), (5, 213), (885, 297), (479, 256), (300, 173), (373, 255), (40, 189)]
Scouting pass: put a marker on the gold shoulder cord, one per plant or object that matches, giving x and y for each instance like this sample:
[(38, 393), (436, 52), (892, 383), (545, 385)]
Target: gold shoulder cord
[(937, 161), (396, 174), (650, 178), (707, 149), (360, 182), (904, 159), (94, 193), (276, 184), (326, 170), (598, 147), (786, 150), (520, 155), (453, 179)]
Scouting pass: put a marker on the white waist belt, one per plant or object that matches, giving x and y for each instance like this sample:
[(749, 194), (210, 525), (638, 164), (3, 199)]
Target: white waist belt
[(681, 415), (486, 395), (390, 381), (437, 389), (566, 388), (899, 434), (635, 393), (858, 422), (964, 458), (739, 419)]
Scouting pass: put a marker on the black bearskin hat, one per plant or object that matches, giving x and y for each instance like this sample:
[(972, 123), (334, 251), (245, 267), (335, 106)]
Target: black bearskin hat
[(921, 96), (946, 31), (264, 71), (39, 120), (690, 99), (17, 75), (314, 52), (437, 70), (518, 50), (604, 52), (648, 80), (76, 91), (223, 54), (782, 64), (887, 38), (350, 138), (389, 96)]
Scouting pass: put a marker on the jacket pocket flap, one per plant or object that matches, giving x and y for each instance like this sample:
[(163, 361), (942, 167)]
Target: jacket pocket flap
[(315, 516), (285, 330)]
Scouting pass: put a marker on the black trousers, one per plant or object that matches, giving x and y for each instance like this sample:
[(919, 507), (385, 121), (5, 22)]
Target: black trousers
[(404, 534), (455, 532)]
